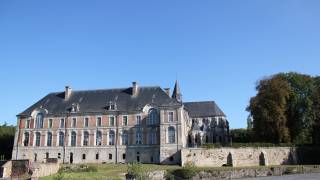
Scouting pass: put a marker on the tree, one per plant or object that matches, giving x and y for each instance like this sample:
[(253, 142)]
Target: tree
[(316, 110), (6, 140), (268, 109)]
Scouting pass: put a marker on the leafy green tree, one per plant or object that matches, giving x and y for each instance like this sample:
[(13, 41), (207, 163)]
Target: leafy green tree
[(268, 109), (6, 140), (316, 110), (242, 135)]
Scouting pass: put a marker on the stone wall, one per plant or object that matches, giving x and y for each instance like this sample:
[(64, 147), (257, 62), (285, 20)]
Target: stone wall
[(238, 157), (45, 169)]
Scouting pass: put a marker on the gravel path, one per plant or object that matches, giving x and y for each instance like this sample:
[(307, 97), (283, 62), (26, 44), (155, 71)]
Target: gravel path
[(313, 176)]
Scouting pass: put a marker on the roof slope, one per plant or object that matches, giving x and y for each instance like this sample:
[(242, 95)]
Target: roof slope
[(96, 101), (203, 109)]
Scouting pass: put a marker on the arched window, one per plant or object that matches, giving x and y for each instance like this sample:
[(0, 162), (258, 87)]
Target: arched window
[(61, 139), (86, 138), (99, 138), (111, 137), (38, 136), (73, 138), (138, 137), (152, 116), (26, 139), (39, 120), (124, 138), (171, 135), (49, 139)]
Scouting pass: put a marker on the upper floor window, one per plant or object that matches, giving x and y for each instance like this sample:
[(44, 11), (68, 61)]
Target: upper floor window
[(49, 139), (125, 120), (170, 116), (99, 138), (86, 122), (86, 138), (38, 136), (74, 122), (39, 120), (61, 139), (62, 123), (152, 116), (111, 137), (152, 138), (26, 139), (138, 137), (99, 121), (73, 138), (138, 119), (27, 123), (124, 138), (171, 135), (49, 123), (111, 121)]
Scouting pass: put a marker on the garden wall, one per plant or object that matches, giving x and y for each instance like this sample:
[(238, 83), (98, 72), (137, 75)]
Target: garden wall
[(237, 157)]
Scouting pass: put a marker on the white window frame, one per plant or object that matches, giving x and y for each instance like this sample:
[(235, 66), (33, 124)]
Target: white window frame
[(140, 120), (123, 120), (97, 121), (50, 119), (114, 119), (84, 121), (114, 138), (64, 123), (27, 125), (169, 116), (47, 138), (82, 140), (74, 124), (101, 140)]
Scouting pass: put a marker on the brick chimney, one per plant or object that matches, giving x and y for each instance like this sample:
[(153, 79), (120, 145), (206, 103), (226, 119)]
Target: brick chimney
[(67, 92), (135, 89), (167, 90)]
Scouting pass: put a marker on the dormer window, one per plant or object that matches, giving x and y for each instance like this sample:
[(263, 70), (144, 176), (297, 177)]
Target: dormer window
[(74, 107), (112, 106)]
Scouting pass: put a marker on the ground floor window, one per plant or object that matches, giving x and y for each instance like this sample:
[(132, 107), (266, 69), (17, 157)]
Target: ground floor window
[(83, 156), (123, 156), (110, 156), (97, 156)]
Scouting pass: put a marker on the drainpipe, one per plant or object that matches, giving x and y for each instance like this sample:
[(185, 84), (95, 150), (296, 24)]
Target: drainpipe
[(117, 131), (17, 142)]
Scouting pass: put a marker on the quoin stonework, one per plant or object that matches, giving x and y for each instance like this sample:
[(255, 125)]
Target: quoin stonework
[(133, 124)]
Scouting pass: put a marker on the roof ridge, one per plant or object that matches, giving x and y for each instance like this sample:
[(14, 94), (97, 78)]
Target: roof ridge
[(106, 89), (200, 101)]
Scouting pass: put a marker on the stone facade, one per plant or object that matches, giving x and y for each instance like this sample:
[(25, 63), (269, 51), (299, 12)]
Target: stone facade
[(238, 157), (143, 124)]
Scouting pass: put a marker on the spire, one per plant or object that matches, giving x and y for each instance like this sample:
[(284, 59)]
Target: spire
[(176, 92)]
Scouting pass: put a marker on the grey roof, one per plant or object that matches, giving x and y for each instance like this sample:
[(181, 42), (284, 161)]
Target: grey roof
[(203, 109), (96, 101)]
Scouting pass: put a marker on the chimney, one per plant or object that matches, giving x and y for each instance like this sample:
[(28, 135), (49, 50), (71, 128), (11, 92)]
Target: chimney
[(67, 93), (167, 90), (135, 89)]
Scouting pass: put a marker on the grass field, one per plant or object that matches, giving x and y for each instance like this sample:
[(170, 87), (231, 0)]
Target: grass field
[(108, 171)]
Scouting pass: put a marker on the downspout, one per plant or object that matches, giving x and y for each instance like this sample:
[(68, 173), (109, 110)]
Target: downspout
[(17, 142), (117, 131)]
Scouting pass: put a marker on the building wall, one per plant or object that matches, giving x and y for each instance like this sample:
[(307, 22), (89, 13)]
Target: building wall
[(239, 156)]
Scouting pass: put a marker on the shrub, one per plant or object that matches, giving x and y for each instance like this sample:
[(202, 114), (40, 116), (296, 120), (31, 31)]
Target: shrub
[(187, 172), (135, 170)]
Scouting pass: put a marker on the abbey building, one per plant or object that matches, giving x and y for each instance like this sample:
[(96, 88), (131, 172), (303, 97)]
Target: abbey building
[(134, 124)]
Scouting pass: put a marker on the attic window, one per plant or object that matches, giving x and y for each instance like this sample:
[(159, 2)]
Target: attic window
[(75, 107), (112, 106)]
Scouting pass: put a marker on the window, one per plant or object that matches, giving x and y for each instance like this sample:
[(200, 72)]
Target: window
[(26, 139), (47, 155), (152, 138), (151, 159), (138, 119), (111, 137), (152, 116), (61, 123), (86, 138), (111, 121), (99, 121), (86, 122), (98, 138), (124, 138), (97, 156), (59, 155), (110, 156), (83, 156), (49, 139), (123, 156), (125, 120), (170, 116), (171, 135), (74, 122), (39, 120), (61, 139), (73, 138), (38, 135), (27, 123), (138, 138), (35, 157), (171, 158), (49, 123)]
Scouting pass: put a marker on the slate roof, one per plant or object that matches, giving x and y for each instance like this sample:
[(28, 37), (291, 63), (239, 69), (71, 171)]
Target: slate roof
[(203, 109), (96, 101)]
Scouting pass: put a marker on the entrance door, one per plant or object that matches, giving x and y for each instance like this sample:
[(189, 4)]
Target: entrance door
[(71, 158)]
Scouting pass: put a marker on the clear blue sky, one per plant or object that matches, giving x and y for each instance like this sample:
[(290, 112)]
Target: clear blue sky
[(217, 49)]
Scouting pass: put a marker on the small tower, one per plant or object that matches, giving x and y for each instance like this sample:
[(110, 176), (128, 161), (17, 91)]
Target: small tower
[(176, 92)]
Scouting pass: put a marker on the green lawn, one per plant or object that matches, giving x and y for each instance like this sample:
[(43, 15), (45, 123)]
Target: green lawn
[(109, 171)]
